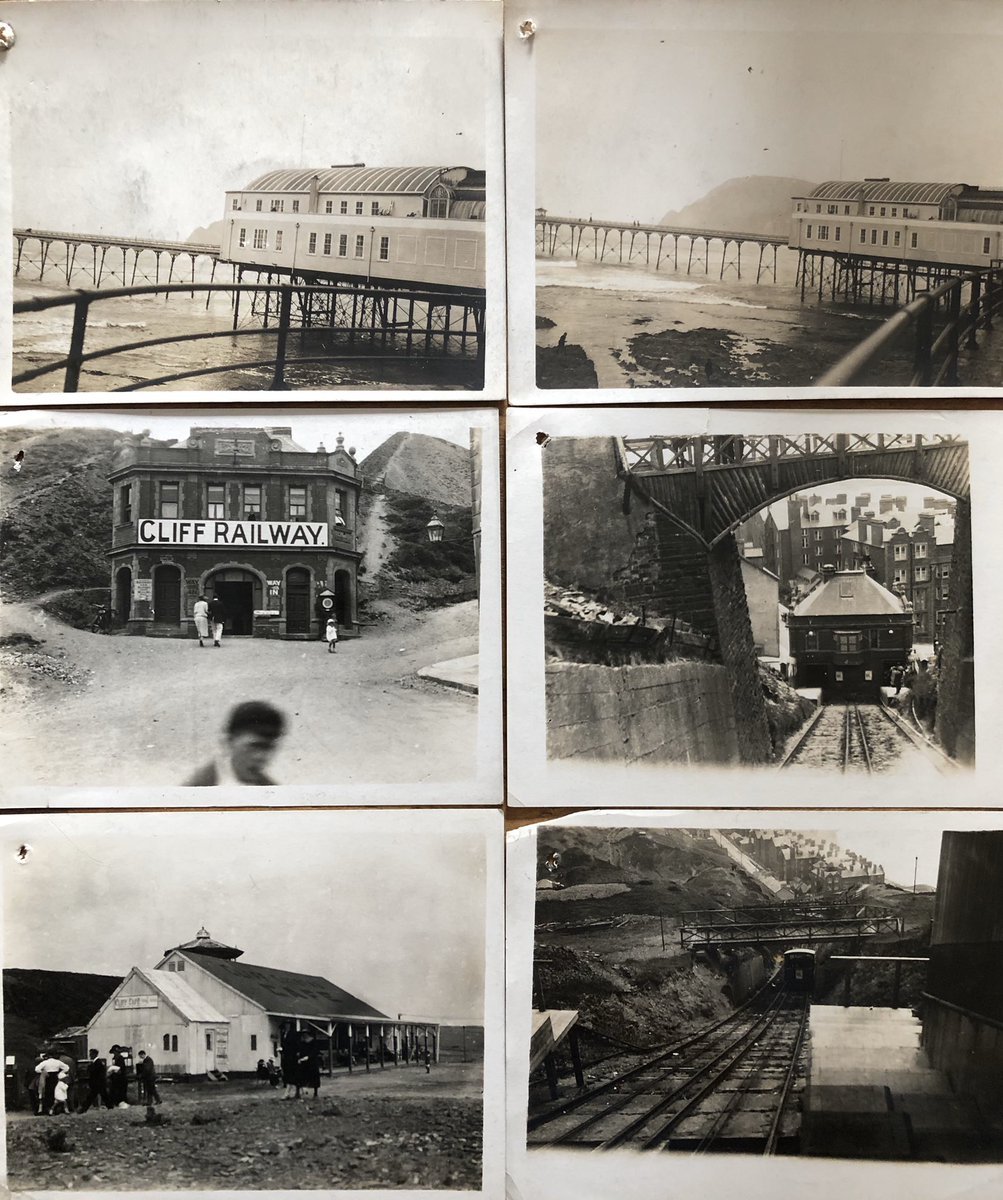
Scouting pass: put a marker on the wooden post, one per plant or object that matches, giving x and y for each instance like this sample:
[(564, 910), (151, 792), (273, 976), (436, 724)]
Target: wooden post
[(396, 1046), (576, 1057), (551, 1072), (71, 380), (896, 986), (350, 1050), (367, 1051), (383, 1057)]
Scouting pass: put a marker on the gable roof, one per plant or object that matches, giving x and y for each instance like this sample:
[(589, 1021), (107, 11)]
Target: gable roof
[(849, 594), (284, 993), (178, 993)]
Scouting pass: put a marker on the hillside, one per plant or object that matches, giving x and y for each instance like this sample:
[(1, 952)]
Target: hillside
[(38, 1004), (419, 465), (207, 235), (751, 204), (55, 514)]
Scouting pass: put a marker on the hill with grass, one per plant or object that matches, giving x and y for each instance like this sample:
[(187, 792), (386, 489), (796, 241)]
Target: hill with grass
[(55, 513), (38, 1004), (750, 204), (419, 465)]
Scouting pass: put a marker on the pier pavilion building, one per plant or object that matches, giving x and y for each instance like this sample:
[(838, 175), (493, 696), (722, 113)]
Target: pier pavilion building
[(879, 239), (199, 1009), (422, 226), (245, 515)]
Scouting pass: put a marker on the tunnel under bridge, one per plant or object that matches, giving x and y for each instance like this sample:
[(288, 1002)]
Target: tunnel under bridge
[(684, 498)]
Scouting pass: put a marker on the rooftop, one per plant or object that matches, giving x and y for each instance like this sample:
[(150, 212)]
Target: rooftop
[(886, 191), (204, 944), (848, 594), (361, 179)]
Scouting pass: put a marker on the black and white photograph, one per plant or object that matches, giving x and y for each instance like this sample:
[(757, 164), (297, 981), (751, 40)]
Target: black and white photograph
[(754, 194), (261, 196), (826, 987), (253, 1002), (251, 597), (794, 605)]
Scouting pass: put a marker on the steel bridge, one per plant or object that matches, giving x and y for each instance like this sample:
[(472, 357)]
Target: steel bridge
[(627, 241), (98, 266), (783, 925), (709, 485)]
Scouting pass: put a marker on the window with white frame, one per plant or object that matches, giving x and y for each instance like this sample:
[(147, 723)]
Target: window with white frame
[(311, 244), (278, 206), (329, 206), (863, 236), (374, 209), (278, 239), (242, 237), (384, 248), (296, 206), (252, 501), (216, 501), (235, 204), (343, 207), (297, 503), (360, 245), (921, 573), (170, 501), (342, 245), (919, 549), (901, 552), (261, 239), (901, 576), (359, 208), (257, 206), (327, 243)]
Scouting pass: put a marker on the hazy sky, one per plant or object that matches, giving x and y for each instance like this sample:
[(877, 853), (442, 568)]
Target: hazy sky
[(364, 430), (386, 906), (134, 118), (644, 107)]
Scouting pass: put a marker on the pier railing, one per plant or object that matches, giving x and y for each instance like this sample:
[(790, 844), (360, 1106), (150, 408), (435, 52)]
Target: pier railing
[(419, 320), (969, 304)]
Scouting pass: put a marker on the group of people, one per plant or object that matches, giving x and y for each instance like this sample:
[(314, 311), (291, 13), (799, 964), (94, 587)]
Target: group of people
[(299, 1059), (209, 613), (53, 1090)]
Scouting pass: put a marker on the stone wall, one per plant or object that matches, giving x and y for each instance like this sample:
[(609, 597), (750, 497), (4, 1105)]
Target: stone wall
[(956, 688), (677, 712), (738, 652)]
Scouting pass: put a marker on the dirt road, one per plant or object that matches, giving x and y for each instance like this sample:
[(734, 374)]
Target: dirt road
[(392, 1129), (84, 709)]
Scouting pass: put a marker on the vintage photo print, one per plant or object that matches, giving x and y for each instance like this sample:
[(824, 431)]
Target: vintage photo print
[(774, 600), (820, 991), (300, 600), (257, 197), (224, 1002), (704, 197)]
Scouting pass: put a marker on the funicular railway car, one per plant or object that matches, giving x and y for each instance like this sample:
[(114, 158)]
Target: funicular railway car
[(799, 971), (408, 226), (847, 634)]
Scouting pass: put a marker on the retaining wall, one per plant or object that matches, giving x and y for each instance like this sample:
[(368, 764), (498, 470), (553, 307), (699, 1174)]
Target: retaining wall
[(677, 712)]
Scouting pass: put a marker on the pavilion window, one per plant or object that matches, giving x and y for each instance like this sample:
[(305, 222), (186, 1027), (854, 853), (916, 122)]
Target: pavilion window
[(252, 502), (216, 501), (360, 245), (170, 494), (297, 503)]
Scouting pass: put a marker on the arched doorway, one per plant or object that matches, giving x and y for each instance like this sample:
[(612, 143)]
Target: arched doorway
[(123, 593), (297, 600), (240, 593), (167, 594), (343, 597)]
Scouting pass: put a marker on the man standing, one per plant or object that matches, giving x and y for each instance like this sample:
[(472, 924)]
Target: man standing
[(147, 1074), (97, 1081), (217, 615), (252, 733), (201, 614)]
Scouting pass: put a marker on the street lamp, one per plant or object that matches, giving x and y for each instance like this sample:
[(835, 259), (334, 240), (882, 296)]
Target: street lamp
[(435, 529)]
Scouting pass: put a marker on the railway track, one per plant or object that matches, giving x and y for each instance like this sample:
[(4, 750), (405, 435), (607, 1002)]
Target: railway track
[(730, 1086), (851, 737)]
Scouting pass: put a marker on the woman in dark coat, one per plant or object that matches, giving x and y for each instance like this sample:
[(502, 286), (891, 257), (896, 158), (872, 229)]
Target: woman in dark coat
[(309, 1063), (117, 1081)]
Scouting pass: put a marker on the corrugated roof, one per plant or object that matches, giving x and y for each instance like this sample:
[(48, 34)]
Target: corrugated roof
[(849, 594), (180, 994), (885, 191), (409, 180), (286, 991)]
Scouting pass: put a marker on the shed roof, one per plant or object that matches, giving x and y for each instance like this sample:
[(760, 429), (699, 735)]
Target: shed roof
[(180, 994), (849, 594), (885, 190), (285, 992), (409, 180)]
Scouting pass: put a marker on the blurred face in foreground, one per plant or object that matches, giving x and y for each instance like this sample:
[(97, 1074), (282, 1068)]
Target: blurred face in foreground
[(250, 751)]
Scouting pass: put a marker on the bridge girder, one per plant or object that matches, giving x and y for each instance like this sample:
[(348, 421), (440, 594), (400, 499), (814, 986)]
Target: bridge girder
[(708, 486)]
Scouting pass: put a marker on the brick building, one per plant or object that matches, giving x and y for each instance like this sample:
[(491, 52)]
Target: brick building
[(243, 514)]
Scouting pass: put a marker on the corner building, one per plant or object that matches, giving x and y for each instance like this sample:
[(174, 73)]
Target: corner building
[(245, 515)]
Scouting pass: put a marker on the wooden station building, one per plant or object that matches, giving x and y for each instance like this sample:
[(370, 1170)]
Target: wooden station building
[(199, 1009), (245, 515)]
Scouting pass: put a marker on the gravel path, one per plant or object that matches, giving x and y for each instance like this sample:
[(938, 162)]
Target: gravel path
[(85, 709)]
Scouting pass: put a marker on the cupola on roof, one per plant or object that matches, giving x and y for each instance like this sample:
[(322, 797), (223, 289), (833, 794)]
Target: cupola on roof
[(203, 943)]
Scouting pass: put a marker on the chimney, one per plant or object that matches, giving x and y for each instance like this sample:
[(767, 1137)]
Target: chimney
[(828, 570)]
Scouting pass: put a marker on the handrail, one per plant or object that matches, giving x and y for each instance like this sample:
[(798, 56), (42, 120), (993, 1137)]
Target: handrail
[(986, 297), (82, 299)]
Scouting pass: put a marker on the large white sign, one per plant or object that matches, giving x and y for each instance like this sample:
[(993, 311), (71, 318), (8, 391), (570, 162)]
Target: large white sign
[(233, 533), (136, 1002)]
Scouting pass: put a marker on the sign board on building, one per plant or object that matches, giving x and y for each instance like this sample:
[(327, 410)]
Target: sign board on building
[(222, 1046), (265, 534), (142, 589), (136, 1002)]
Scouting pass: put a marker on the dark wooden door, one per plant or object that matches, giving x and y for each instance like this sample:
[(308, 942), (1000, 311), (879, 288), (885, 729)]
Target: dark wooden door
[(297, 600), (167, 595)]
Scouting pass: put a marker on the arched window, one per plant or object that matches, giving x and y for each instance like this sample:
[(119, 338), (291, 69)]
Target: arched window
[(167, 1041), (438, 202)]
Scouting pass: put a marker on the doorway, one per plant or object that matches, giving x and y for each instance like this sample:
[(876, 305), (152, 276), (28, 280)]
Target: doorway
[(297, 600), (123, 594), (167, 595), (240, 593), (343, 597)]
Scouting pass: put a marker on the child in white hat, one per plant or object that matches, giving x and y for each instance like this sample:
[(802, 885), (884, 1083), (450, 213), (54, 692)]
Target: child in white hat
[(331, 634)]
